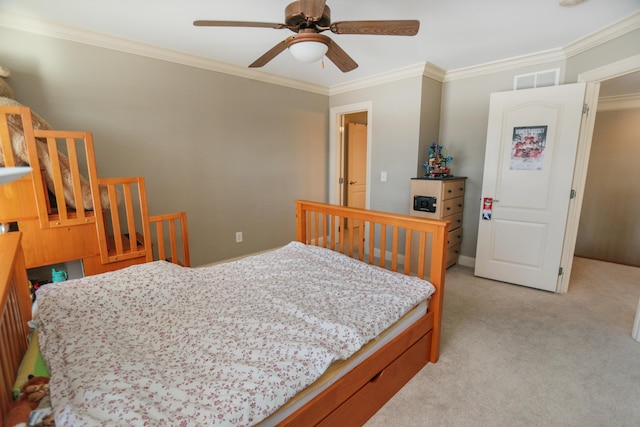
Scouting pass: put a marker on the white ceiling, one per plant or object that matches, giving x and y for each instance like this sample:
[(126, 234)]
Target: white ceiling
[(453, 34)]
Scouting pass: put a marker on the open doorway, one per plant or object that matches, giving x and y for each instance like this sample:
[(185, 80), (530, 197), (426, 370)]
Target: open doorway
[(354, 170), (593, 79), (609, 226), (350, 165), (350, 155)]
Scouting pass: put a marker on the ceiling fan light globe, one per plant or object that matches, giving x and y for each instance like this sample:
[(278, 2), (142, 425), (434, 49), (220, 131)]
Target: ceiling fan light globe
[(308, 51)]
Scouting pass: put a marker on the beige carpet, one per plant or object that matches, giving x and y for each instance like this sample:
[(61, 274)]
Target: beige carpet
[(515, 356)]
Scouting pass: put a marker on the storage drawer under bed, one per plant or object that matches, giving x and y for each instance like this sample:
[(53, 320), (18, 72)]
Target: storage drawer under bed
[(342, 401), (355, 411)]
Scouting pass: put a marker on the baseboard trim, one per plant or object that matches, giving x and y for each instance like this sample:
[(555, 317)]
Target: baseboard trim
[(467, 261)]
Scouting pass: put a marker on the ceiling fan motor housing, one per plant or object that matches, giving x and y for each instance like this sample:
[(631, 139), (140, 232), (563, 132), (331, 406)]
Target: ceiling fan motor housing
[(294, 17)]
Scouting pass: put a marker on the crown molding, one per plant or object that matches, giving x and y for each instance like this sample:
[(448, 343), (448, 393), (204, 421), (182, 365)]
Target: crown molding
[(434, 72), (50, 29), (610, 32), (506, 65), (47, 28), (620, 102), (378, 79), (423, 69), (621, 27)]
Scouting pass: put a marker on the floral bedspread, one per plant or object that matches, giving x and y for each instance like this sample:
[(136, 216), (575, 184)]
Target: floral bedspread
[(160, 344)]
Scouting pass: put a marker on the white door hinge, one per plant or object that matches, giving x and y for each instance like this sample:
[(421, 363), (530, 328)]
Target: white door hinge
[(585, 109)]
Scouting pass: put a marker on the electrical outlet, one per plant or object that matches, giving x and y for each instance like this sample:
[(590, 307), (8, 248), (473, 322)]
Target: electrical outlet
[(383, 176), (238, 236)]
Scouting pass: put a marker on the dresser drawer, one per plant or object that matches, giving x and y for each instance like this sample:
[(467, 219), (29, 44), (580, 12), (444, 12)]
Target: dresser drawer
[(456, 221), (454, 237), (453, 189), (451, 206), (452, 255)]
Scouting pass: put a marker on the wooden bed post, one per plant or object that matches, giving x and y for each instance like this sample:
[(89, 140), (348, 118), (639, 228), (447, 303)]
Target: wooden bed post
[(15, 312), (301, 223), (436, 276)]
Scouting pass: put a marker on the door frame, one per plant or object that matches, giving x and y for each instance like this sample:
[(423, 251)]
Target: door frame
[(336, 148), (593, 79)]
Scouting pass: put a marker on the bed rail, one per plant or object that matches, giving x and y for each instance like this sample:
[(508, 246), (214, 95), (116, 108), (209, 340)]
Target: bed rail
[(60, 161), (174, 228), (17, 198), (70, 204), (15, 311), (119, 236), (384, 239)]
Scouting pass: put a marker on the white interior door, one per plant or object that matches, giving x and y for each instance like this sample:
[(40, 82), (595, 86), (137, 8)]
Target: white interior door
[(532, 138)]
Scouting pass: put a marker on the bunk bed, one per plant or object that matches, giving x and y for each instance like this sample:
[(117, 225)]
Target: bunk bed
[(364, 242), (67, 212)]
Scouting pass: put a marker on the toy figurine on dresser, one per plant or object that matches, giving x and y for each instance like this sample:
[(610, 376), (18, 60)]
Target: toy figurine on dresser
[(436, 164)]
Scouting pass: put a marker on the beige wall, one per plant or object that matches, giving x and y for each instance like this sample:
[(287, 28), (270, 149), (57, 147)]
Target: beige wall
[(610, 219), (405, 119), (429, 120), (231, 152)]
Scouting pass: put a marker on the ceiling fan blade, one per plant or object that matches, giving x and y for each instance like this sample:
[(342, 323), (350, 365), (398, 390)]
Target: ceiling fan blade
[(205, 23), (385, 28), (339, 57), (312, 8), (270, 54)]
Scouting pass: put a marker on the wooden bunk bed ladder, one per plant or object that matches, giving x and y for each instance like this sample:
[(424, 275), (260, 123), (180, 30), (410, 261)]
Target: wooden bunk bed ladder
[(66, 141), (103, 221), (123, 235)]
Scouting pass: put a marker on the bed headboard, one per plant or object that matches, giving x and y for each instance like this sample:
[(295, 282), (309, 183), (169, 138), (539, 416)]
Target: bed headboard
[(15, 312), (376, 238)]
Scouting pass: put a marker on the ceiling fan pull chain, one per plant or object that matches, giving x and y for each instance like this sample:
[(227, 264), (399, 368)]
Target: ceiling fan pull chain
[(322, 63)]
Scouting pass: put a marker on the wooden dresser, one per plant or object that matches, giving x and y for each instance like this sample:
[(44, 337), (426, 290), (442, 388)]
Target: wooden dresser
[(441, 198)]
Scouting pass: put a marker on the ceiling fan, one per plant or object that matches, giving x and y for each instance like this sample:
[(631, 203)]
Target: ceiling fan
[(309, 18)]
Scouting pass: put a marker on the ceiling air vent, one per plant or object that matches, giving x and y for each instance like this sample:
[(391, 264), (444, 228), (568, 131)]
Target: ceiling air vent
[(539, 79)]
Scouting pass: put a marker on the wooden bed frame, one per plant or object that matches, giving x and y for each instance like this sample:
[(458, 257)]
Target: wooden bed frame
[(373, 237)]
